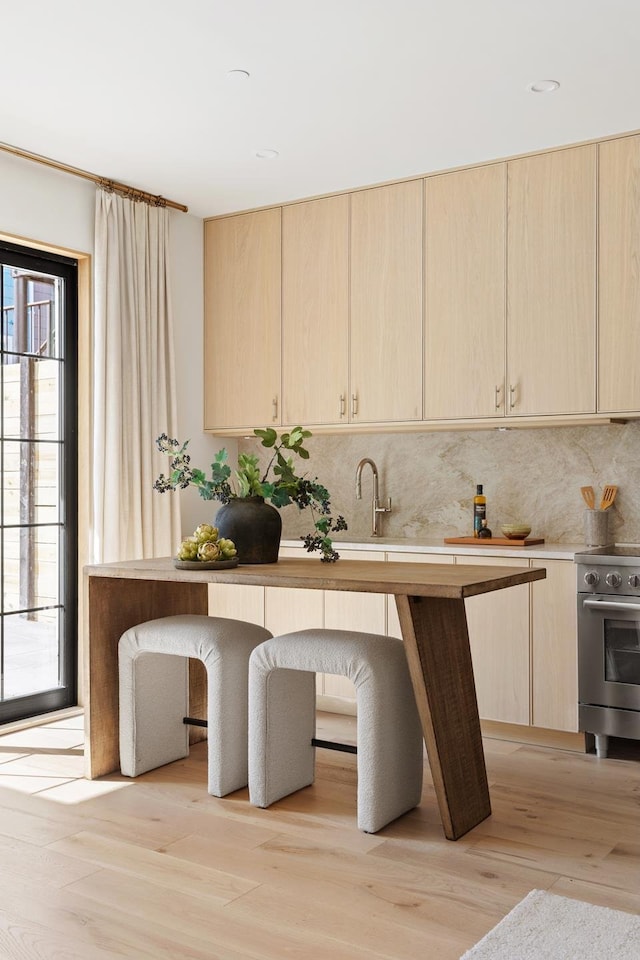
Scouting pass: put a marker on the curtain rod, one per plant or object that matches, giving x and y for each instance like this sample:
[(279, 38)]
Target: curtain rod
[(104, 182)]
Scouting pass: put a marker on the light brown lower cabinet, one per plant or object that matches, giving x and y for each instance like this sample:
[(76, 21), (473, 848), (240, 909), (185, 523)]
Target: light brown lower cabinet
[(523, 644), (237, 602), (499, 636), (523, 640), (554, 658), (286, 610), (353, 611), (283, 610)]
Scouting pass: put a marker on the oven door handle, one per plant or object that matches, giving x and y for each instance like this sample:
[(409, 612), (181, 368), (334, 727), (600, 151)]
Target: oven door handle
[(610, 604)]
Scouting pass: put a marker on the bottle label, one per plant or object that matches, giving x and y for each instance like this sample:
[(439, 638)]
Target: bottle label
[(479, 514)]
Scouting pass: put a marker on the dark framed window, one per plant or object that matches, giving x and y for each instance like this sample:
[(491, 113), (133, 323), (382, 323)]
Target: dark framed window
[(38, 482)]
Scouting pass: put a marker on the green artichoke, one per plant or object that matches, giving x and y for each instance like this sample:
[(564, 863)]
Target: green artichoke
[(208, 551), (205, 532), (188, 549), (227, 548)]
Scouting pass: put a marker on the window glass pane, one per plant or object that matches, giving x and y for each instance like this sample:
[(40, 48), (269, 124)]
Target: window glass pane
[(31, 303), (31, 574), (31, 653), (8, 309), (30, 482), (11, 561), (11, 485), (30, 398)]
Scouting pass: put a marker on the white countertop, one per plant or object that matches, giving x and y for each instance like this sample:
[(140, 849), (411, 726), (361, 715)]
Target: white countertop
[(540, 551)]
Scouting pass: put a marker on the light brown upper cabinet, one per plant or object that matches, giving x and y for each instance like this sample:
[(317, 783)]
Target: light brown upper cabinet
[(315, 311), (619, 276), (242, 258), (528, 269), (386, 303), (551, 279), (465, 220)]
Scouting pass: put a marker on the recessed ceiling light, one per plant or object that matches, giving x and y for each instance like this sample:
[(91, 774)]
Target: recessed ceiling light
[(543, 86), (238, 74), (267, 154)]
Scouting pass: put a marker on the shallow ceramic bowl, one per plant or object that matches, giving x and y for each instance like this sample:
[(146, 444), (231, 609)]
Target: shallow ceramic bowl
[(205, 564), (516, 531)]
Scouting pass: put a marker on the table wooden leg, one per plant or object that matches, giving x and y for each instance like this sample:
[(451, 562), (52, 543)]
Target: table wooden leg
[(436, 642), (113, 605)]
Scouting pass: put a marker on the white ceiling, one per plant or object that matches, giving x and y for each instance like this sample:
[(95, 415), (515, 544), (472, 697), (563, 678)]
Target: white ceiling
[(350, 92)]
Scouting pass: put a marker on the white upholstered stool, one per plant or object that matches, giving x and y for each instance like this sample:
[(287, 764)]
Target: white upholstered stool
[(154, 694), (282, 719)]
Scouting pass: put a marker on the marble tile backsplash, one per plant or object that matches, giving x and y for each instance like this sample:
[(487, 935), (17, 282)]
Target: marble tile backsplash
[(533, 475)]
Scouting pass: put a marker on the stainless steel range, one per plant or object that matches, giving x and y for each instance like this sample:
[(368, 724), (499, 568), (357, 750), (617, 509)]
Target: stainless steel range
[(609, 643)]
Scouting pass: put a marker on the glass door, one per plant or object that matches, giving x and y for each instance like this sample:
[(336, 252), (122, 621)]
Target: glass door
[(38, 488)]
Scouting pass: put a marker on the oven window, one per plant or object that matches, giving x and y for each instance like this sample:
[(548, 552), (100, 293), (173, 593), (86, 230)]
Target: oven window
[(622, 651)]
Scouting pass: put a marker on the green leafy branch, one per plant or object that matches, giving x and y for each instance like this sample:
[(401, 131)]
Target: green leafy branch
[(285, 488)]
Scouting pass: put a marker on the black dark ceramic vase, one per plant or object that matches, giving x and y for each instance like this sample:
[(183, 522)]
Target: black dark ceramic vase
[(254, 526)]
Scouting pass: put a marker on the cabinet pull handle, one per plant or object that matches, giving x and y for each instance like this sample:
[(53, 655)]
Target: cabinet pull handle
[(342, 405), (498, 397), (354, 404), (275, 408), (512, 396)]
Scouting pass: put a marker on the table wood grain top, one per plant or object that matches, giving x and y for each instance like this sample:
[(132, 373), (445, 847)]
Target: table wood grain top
[(451, 581)]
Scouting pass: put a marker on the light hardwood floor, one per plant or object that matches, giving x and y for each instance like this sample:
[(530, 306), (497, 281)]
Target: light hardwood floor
[(156, 868)]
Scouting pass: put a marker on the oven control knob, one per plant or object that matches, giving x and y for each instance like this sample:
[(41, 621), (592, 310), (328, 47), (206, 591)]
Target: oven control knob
[(634, 580), (613, 579), (591, 578)]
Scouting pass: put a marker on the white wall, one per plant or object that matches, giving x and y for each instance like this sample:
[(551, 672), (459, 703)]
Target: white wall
[(51, 208), (44, 205), (187, 263)]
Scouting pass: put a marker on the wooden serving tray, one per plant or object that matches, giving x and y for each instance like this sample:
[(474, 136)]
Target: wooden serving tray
[(495, 541)]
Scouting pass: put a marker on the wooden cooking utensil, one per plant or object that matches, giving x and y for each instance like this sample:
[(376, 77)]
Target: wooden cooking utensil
[(608, 496), (589, 497)]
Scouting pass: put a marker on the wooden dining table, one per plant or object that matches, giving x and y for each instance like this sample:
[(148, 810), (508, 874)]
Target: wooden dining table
[(430, 603)]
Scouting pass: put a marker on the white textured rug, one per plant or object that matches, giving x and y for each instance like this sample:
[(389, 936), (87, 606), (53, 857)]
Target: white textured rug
[(545, 926)]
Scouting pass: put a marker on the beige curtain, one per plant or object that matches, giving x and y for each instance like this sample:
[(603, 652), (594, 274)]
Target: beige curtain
[(134, 381)]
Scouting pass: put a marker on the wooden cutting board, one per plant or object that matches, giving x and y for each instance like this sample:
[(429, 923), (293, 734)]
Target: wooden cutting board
[(495, 541)]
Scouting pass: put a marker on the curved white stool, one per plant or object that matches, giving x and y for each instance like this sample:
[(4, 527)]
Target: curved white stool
[(154, 694), (282, 719)]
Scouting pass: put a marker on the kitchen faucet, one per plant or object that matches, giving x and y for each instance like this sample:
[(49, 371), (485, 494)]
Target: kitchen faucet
[(376, 509)]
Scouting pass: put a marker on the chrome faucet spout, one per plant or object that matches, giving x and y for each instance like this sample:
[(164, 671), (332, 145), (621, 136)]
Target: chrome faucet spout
[(376, 509), (374, 471)]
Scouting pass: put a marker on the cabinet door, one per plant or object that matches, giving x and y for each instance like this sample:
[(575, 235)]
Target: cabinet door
[(465, 214), (499, 636), (619, 277), (315, 311), (554, 647), (393, 623), (344, 610), (237, 602), (242, 320), (551, 277), (386, 303), (288, 609)]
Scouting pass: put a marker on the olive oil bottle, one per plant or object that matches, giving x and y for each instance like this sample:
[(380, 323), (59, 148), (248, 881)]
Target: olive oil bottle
[(479, 510)]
